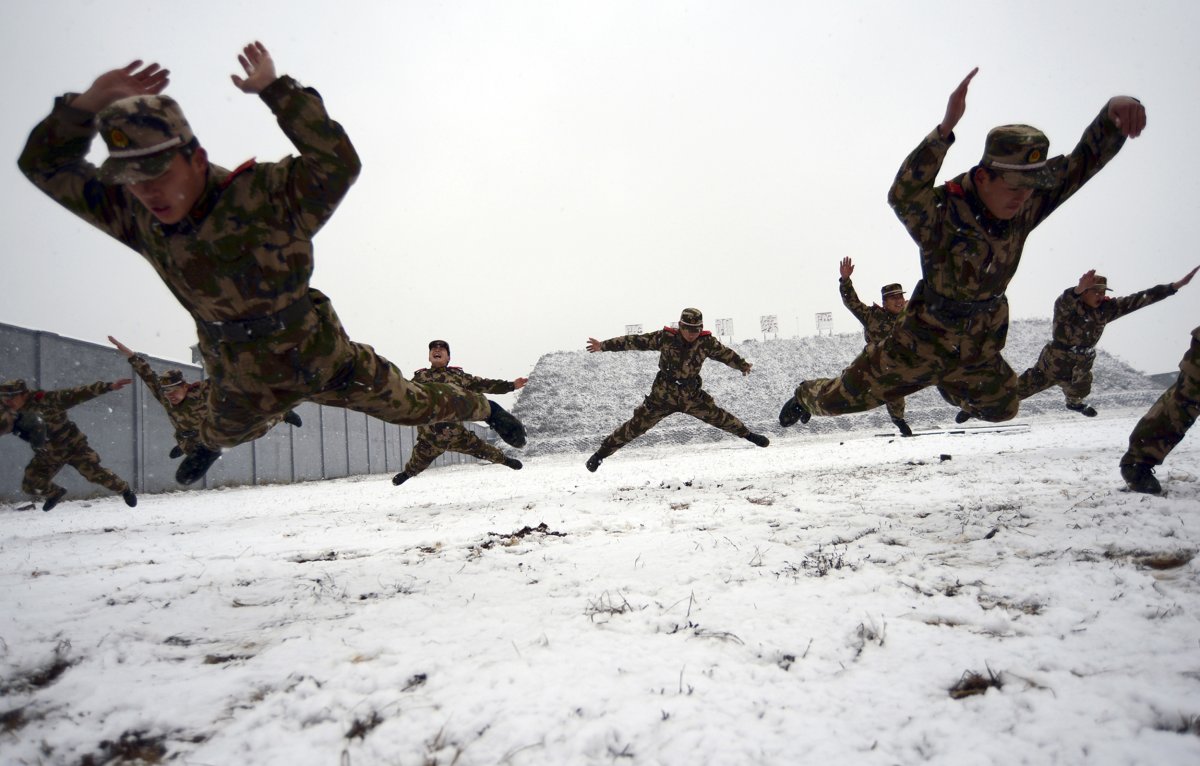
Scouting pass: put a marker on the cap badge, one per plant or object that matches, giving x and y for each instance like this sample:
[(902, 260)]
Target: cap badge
[(119, 139), (1034, 156)]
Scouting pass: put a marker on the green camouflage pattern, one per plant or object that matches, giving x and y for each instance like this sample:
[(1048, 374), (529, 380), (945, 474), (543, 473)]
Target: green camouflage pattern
[(245, 252), (141, 124), (878, 324), (433, 440), (966, 255), (1080, 326), (187, 416), (1169, 418), (65, 443), (677, 387)]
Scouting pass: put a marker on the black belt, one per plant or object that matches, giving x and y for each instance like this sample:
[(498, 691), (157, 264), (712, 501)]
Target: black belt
[(681, 382), (1081, 350), (949, 309), (245, 330)]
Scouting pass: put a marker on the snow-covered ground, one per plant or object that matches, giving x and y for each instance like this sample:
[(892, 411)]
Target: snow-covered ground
[(715, 603)]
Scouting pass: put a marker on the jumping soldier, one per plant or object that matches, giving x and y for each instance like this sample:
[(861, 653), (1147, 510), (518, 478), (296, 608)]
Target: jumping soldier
[(1164, 425), (1080, 315), (433, 440), (877, 322), (971, 232), (62, 442), (677, 387), (235, 248)]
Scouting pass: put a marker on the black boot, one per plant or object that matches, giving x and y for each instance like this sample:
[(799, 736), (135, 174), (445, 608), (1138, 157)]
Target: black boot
[(176, 452), (293, 419), (53, 498), (513, 463), (1083, 409), (902, 424), (195, 465), (793, 412), (506, 426), (130, 498), (1140, 478), (757, 439), (400, 478), (962, 417)]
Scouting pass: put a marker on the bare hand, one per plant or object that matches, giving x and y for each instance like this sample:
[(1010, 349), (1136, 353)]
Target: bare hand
[(123, 83), (1086, 282), (260, 69), (846, 268), (746, 371), (593, 345), (520, 382), (1186, 279), (125, 350), (1129, 115), (117, 385), (956, 106)]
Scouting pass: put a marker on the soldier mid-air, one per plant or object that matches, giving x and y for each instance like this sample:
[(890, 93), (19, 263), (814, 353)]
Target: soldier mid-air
[(235, 248), (971, 232), (1164, 425), (433, 440), (677, 387), (1080, 315), (877, 322), (62, 443), (186, 404)]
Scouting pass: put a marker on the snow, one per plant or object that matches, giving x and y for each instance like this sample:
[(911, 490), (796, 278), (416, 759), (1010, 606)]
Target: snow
[(810, 602)]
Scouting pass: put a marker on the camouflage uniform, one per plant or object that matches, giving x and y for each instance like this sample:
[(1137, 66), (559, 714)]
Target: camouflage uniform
[(877, 325), (677, 387), (1169, 419), (433, 440), (240, 263), (956, 322), (187, 416), (1067, 360), (65, 443)]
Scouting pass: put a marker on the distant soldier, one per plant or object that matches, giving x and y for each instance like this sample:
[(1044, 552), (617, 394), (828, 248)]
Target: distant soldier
[(1164, 425), (433, 440), (971, 232), (235, 248), (1080, 315), (64, 444), (877, 325), (677, 387), (186, 404)]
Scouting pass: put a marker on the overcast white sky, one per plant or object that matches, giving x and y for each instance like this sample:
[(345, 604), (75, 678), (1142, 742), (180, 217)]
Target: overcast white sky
[(540, 172)]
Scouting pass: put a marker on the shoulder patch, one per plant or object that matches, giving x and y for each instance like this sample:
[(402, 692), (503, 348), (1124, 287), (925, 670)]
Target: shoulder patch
[(670, 330), (39, 395), (247, 165), (704, 332), (955, 190)]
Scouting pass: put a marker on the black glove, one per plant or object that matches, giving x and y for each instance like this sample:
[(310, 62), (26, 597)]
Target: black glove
[(31, 428), (176, 452)]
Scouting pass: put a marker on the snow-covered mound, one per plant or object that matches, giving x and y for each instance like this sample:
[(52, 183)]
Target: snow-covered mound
[(574, 399)]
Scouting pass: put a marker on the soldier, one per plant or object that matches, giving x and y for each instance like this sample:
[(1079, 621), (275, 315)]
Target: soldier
[(433, 440), (235, 248), (64, 444), (185, 403), (1080, 315), (677, 387), (1164, 425), (877, 325), (971, 232)]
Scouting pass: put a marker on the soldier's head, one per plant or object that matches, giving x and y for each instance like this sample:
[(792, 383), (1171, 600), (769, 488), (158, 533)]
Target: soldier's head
[(439, 353), (1016, 163), (691, 323), (14, 394), (893, 298), (1096, 294), (153, 153), (174, 387)]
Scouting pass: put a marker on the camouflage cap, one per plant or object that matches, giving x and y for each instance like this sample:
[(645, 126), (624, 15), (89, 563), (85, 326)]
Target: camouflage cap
[(1021, 154), (691, 319), (142, 133), (441, 343), (892, 289), (171, 378), (13, 387), (1101, 284)]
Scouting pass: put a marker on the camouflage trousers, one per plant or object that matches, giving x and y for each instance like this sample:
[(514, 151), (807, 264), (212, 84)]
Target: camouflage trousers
[(965, 365), (432, 441), (255, 383), (1169, 418), (1055, 367), (77, 453), (666, 400)]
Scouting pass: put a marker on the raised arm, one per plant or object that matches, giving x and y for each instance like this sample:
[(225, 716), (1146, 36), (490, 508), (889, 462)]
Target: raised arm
[(650, 341), (849, 296)]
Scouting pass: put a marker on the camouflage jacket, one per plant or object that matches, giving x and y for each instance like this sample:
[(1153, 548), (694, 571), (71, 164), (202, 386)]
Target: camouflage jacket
[(186, 416), (8, 419), (877, 321), (1078, 325), (966, 255), (53, 406), (678, 360), (1188, 383), (466, 381), (245, 250)]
